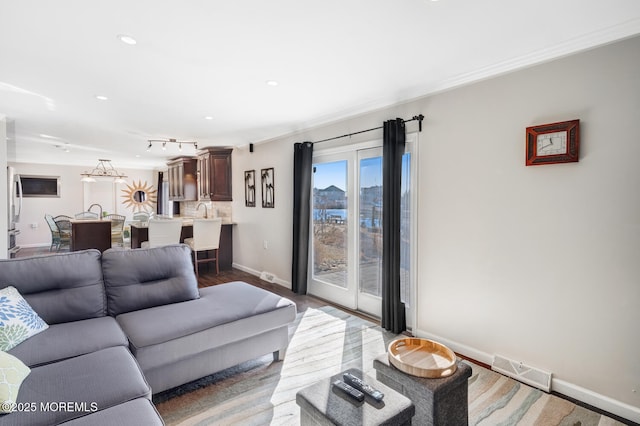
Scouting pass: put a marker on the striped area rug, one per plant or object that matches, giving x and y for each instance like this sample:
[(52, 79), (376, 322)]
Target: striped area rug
[(327, 341)]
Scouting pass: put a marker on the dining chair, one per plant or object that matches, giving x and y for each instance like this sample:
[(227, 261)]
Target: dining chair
[(63, 222), (142, 217), (163, 232), (206, 237), (117, 228), (55, 232), (86, 215)]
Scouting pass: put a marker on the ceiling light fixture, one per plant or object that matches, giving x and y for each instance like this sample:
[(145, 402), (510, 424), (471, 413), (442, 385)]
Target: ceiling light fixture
[(164, 143), (127, 39), (101, 98), (271, 83), (103, 169), (42, 135), (208, 117)]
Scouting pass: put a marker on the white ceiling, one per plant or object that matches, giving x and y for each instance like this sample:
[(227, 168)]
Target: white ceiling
[(196, 58)]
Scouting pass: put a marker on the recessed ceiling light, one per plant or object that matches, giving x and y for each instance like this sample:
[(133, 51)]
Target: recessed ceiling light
[(126, 39), (42, 135), (272, 83), (208, 117), (101, 97)]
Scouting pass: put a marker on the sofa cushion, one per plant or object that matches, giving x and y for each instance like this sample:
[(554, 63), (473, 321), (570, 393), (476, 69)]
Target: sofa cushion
[(224, 313), (18, 321), (144, 278), (59, 287), (66, 340), (12, 373), (79, 386), (140, 411)]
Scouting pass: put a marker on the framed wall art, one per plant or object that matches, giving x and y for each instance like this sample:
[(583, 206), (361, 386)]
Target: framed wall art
[(250, 188), (267, 188)]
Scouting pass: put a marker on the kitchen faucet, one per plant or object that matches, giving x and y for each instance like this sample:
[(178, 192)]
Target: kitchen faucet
[(99, 206), (206, 216)]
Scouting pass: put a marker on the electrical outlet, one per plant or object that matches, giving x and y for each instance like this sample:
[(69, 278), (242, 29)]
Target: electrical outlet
[(34, 226), (265, 245)]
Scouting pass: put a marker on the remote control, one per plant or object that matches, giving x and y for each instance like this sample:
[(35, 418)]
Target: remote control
[(349, 390), (362, 386)]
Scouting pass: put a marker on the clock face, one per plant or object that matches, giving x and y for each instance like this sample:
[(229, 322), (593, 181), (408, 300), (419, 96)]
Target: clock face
[(551, 143)]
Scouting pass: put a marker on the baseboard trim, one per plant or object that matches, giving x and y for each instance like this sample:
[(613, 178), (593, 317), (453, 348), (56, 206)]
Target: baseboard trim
[(252, 271), (600, 401), (460, 348), (35, 245), (563, 387)]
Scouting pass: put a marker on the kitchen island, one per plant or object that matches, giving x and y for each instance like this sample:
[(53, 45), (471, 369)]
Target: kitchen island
[(140, 233), (90, 234)]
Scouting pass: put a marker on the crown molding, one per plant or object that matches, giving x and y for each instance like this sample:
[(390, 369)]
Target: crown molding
[(578, 44)]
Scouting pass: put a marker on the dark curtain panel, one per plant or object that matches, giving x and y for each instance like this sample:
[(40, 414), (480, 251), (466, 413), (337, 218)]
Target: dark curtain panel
[(160, 203), (302, 165), (393, 314)]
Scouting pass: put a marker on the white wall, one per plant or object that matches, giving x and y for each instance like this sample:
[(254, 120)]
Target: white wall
[(539, 264), (4, 213), (75, 197), (256, 224)]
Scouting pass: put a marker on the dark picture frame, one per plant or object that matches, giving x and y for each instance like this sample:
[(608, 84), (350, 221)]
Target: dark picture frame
[(268, 188), (250, 188), (40, 186)]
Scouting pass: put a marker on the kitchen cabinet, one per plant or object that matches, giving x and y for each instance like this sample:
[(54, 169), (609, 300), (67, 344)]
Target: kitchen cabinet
[(183, 179), (214, 174)]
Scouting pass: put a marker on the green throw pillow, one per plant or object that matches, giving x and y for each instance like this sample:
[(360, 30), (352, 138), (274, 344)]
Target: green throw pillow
[(18, 321), (12, 373)]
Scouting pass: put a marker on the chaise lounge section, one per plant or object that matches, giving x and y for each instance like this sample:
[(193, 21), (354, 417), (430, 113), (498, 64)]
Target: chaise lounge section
[(127, 324)]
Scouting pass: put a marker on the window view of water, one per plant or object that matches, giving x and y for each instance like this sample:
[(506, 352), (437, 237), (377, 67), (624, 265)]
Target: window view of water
[(331, 224)]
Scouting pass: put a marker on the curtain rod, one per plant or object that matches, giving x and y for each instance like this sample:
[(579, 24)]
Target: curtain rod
[(419, 118)]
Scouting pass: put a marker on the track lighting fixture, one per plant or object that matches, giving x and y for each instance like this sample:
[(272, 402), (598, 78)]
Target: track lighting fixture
[(170, 141)]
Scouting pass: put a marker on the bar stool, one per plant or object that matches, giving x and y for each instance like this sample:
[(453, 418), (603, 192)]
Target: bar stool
[(206, 236), (163, 232)]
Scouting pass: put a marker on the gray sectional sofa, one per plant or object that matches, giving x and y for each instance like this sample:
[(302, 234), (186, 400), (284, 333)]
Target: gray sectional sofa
[(126, 324)]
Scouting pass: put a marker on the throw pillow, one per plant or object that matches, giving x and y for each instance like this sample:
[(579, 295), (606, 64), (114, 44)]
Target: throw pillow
[(18, 321), (12, 373)]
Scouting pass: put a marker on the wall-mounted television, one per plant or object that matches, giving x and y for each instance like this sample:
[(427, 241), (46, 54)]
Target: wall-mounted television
[(40, 186)]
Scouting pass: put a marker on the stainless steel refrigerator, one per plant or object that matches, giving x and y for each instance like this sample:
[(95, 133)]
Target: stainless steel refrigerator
[(14, 192)]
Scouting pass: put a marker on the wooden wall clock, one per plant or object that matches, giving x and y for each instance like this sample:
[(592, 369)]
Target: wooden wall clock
[(553, 143)]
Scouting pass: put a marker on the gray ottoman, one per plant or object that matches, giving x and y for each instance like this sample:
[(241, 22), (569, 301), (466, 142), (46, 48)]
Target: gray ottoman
[(440, 402), (322, 404)]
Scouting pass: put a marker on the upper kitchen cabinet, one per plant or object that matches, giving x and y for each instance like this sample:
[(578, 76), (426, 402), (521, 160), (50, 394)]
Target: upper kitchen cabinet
[(183, 183), (214, 174)]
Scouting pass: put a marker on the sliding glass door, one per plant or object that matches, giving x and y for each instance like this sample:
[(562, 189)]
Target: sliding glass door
[(332, 230), (346, 264)]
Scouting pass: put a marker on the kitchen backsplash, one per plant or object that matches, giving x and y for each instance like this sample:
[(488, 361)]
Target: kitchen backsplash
[(214, 209)]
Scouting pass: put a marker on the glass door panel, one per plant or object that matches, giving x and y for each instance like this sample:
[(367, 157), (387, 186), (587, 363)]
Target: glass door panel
[(331, 249), (370, 230), (346, 252)]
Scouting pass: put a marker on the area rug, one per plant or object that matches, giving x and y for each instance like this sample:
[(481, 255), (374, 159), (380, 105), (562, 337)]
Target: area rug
[(325, 342)]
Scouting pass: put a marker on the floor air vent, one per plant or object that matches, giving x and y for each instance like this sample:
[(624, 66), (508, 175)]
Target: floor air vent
[(522, 372), (267, 276)]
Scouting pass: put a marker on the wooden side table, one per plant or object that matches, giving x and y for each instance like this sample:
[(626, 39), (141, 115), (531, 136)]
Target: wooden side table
[(323, 404), (439, 402)]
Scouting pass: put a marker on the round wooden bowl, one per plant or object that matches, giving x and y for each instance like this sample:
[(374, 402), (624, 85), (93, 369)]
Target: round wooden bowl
[(422, 358)]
